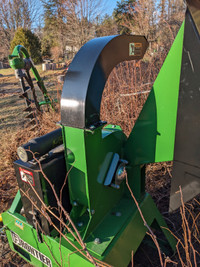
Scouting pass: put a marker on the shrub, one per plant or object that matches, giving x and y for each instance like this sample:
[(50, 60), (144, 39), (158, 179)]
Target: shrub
[(30, 41)]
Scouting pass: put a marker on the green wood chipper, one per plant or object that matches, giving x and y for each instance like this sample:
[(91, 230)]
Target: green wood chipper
[(81, 169)]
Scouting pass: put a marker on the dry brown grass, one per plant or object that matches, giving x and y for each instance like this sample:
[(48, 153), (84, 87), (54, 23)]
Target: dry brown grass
[(127, 89)]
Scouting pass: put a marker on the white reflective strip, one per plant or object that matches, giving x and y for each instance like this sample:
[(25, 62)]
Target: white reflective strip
[(69, 103)]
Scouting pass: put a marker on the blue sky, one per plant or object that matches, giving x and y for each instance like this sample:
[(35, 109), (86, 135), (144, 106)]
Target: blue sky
[(110, 5)]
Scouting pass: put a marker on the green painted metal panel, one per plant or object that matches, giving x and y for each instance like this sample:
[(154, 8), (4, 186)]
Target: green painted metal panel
[(134, 231), (90, 150), (75, 141), (16, 204), (111, 225), (153, 136), (119, 235), (50, 248), (102, 198)]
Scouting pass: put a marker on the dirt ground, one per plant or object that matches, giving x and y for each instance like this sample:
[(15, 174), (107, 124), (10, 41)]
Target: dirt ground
[(158, 177)]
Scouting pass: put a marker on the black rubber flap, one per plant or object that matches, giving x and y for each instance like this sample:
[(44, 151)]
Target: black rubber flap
[(186, 170)]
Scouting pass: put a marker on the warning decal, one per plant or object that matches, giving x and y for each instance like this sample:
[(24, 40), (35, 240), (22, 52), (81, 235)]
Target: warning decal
[(19, 224), (26, 176), (135, 49), (31, 250)]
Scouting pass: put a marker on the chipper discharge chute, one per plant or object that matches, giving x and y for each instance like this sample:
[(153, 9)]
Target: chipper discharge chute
[(88, 162)]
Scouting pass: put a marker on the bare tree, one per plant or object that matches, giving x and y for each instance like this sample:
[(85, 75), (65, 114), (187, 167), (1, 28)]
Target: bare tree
[(144, 17), (80, 15), (69, 23), (162, 7), (159, 21), (15, 14)]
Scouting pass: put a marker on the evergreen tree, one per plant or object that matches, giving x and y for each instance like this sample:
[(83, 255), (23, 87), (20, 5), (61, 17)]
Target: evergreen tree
[(14, 14), (123, 13), (55, 27), (107, 26), (49, 39), (30, 41)]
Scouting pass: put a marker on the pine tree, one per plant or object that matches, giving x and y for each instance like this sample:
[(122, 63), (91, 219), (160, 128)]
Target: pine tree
[(107, 26), (30, 41), (49, 39), (123, 13), (55, 27)]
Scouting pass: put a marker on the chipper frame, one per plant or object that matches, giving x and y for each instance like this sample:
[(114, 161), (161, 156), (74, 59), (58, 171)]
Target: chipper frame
[(99, 157)]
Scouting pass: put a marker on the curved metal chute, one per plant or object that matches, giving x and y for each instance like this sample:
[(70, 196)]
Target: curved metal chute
[(87, 75)]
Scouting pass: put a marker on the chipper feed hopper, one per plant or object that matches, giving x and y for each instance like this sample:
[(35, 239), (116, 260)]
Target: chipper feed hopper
[(87, 162)]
